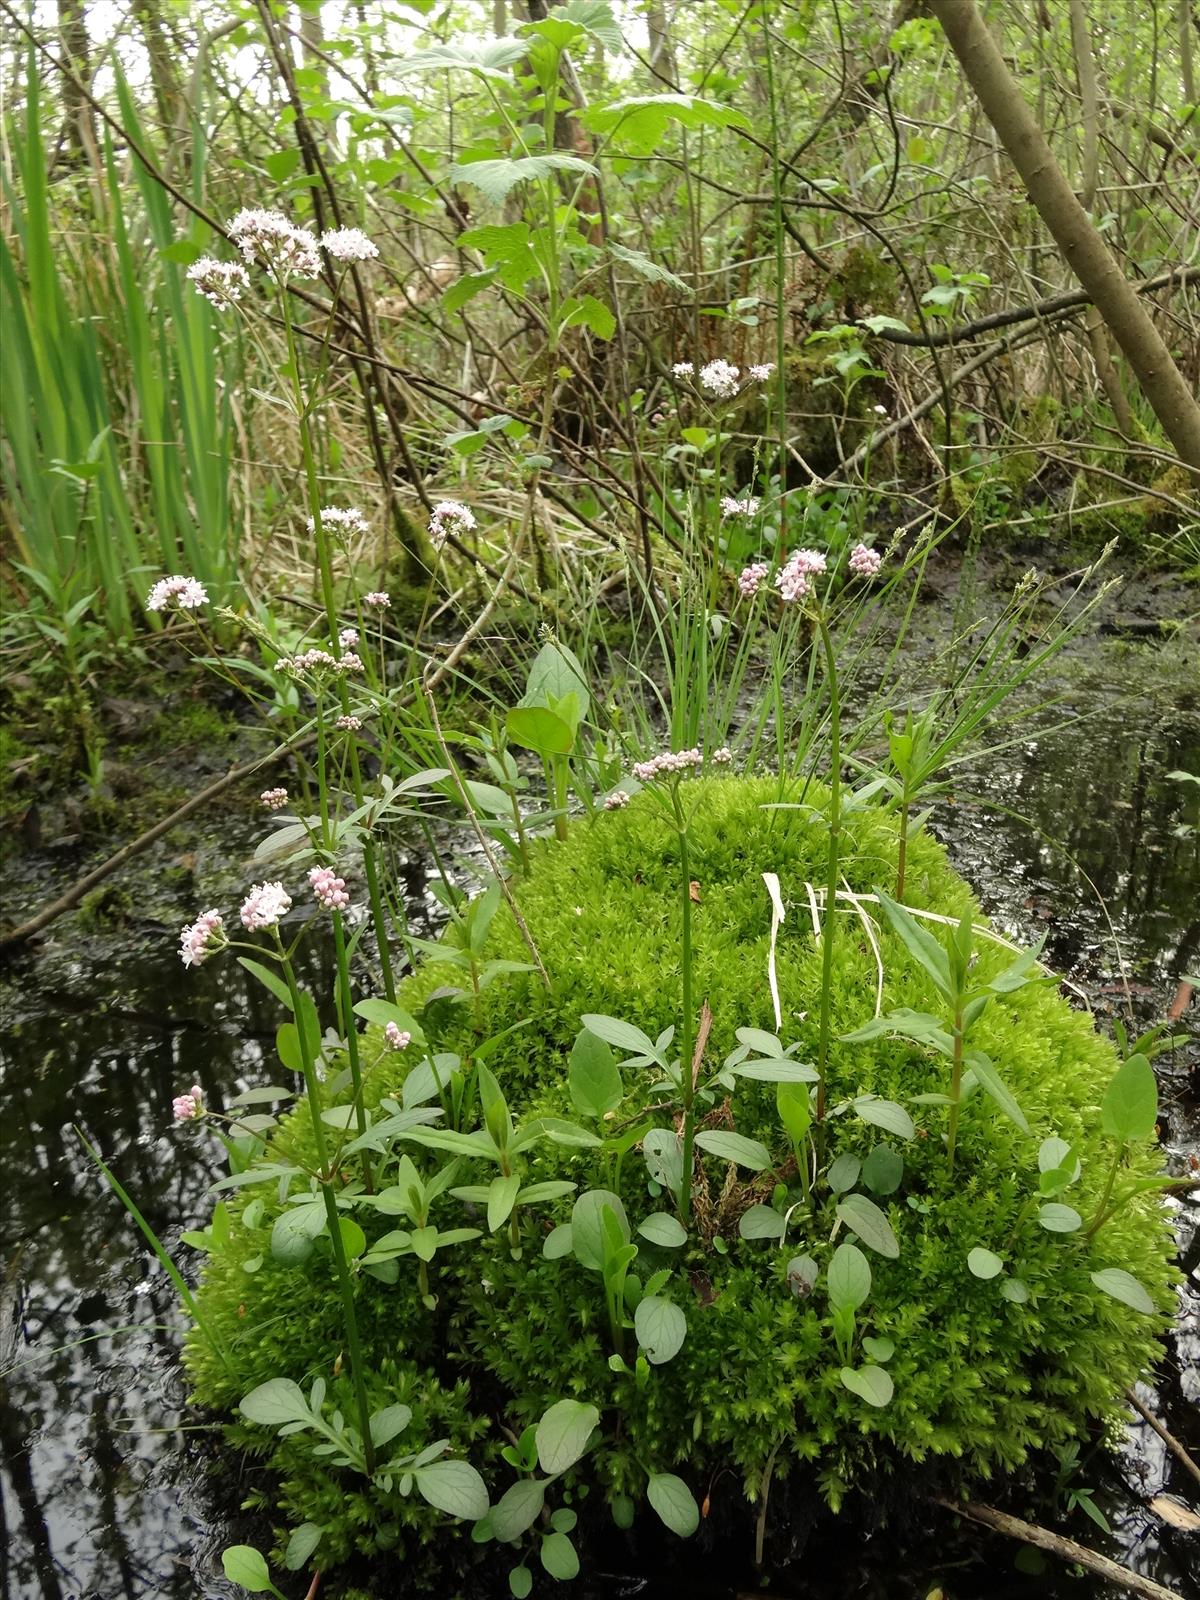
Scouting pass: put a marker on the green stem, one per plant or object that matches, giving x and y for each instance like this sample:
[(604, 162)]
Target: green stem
[(1108, 1189), (829, 928), (902, 861), (955, 1085), (560, 797), (346, 999), (325, 1180), (688, 1083)]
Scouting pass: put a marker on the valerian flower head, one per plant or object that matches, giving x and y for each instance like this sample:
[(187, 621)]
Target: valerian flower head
[(178, 593), (449, 517), (264, 906), (268, 238), (343, 522), (398, 1038), (313, 661), (616, 801), (220, 282), (348, 244), (760, 373), (864, 562), (794, 580), (349, 661), (684, 369), (202, 938), (722, 756), (348, 638), (377, 599), (750, 578), (188, 1106), (274, 799), (731, 506), (330, 890), (719, 378), (667, 761)]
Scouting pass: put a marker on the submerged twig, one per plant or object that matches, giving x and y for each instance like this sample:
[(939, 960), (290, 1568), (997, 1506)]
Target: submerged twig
[(1178, 1450), (1057, 1544)]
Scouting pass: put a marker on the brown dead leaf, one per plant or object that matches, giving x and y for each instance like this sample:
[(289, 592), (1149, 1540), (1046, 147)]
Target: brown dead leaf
[(694, 889), (1174, 1512)]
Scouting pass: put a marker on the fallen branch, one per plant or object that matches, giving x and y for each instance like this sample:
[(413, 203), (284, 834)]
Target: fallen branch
[(65, 902), (1169, 1439), (1058, 1545)]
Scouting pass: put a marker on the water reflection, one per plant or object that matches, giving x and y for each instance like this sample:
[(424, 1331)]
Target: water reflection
[(105, 1491)]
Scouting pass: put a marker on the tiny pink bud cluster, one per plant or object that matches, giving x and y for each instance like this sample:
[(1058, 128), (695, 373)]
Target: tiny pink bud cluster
[(722, 756), (794, 580), (378, 599), (349, 724), (348, 638), (202, 938), (864, 562), (668, 761), (190, 1105), (264, 905), (322, 661), (185, 594), (616, 801), (449, 517), (398, 1038), (731, 506), (750, 578), (274, 799), (348, 244), (220, 282), (329, 889)]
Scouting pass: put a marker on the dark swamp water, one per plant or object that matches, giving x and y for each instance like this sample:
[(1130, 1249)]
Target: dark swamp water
[(109, 1487)]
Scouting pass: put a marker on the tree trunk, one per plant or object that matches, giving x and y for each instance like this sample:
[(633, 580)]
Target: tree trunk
[(1084, 250), (1187, 71)]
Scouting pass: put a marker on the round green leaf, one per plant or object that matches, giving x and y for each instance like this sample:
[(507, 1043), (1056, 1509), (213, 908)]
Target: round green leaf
[(984, 1263), (454, 1487), (1059, 1219), (672, 1500), (849, 1279), (622, 1509), (520, 1583), (1123, 1286), (558, 1242), (1016, 1291), (245, 1566), (661, 1328), (843, 1173), (883, 1170), (761, 1222), (559, 1558), (663, 1229), (871, 1384), (563, 1433), (885, 1114), (295, 1230), (880, 1349)]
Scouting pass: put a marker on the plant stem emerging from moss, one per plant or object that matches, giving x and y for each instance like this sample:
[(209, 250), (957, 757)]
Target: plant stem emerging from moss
[(829, 928), (686, 1072)]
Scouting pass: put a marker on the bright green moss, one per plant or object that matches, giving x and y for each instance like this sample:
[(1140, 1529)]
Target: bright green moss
[(980, 1381)]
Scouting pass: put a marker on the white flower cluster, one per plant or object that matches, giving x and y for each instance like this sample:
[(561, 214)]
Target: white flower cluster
[(264, 906), (668, 761), (721, 378), (184, 594), (449, 517), (268, 238), (731, 506), (221, 282), (348, 244), (342, 522)]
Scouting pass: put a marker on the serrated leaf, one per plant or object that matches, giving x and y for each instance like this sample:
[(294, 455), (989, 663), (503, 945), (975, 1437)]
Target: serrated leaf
[(638, 122), (651, 271), (491, 57), (464, 289), (588, 312), (495, 178), (562, 1434), (672, 1501), (865, 1219)]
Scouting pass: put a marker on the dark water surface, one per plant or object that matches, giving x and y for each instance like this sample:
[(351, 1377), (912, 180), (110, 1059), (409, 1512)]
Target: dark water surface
[(107, 1484)]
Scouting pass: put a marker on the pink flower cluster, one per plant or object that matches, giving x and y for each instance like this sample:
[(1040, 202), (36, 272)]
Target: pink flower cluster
[(190, 1105), (220, 282), (731, 506), (398, 1038), (342, 522), (202, 938), (794, 580), (349, 724), (267, 237), (722, 756), (264, 905), (667, 761), (185, 594), (274, 799), (322, 661), (616, 801), (379, 599), (750, 578), (348, 244), (449, 517), (348, 638), (329, 889), (864, 562)]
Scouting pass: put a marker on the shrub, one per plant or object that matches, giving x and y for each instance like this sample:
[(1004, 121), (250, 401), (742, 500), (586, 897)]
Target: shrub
[(983, 1370)]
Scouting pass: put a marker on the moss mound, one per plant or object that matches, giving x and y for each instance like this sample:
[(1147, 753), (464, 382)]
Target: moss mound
[(980, 1379)]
